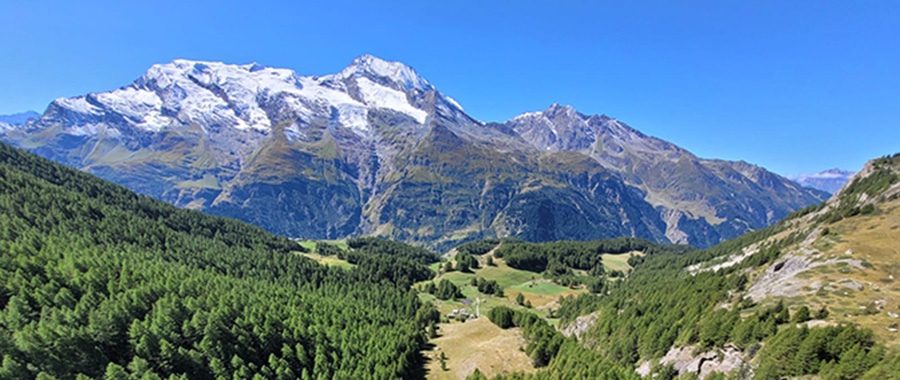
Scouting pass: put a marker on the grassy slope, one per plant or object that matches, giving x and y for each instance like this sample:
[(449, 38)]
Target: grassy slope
[(329, 260), (618, 261), (864, 294), (311, 245), (875, 240), (477, 344)]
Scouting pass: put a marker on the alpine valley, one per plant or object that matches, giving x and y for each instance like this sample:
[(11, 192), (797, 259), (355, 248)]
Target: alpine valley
[(377, 150)]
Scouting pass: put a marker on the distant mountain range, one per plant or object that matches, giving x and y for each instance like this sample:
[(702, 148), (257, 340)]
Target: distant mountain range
[(377, 150), (11, 121), (830, 180)]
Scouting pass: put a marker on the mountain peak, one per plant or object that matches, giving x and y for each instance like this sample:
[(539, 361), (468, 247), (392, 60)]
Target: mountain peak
[(830, 180), (199, 70), (371, 66), (551, 111), (836, 171), (556, 107), (19, 118)]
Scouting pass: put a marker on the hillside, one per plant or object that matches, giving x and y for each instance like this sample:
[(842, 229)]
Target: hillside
[(810, 295), (376, 149), (100, 282), (846, 256)]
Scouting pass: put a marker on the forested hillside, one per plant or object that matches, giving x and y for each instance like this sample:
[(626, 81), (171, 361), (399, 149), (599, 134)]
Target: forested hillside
[(811, 295), (661, 306), (100, 282)]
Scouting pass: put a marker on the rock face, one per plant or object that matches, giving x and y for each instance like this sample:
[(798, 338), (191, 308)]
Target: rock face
[(685, 360), (580, 325), (701, 201), (376, 149)]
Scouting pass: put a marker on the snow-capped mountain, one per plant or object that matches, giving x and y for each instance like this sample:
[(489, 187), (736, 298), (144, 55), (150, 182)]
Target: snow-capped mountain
[(702, 201), (377, 149), (251, 98), (830, 180)]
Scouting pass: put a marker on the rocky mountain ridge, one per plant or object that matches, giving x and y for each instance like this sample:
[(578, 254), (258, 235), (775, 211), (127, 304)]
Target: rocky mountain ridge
[(376, 149)]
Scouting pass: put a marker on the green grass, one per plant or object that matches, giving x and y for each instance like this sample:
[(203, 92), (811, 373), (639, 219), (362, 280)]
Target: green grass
[(542, 287), (505, 275), (457, 278), (618, 262), (329, 260), (536, 289), (340, 243), (311, 244)]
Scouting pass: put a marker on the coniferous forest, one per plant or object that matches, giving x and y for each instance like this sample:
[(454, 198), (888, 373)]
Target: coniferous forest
[(412, 190), (101, 282)]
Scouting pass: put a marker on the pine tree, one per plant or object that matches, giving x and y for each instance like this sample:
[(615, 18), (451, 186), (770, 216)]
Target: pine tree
[(443, 360), (115, 372), (801, 315), (476, 375)]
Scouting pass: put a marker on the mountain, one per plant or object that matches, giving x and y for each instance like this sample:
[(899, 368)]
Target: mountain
[(701, 201), (830, 180), (377, 150), (100, 282), (19, 118), (811, 296)]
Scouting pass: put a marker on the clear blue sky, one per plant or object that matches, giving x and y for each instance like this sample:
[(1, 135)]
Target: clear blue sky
[(794, 86)]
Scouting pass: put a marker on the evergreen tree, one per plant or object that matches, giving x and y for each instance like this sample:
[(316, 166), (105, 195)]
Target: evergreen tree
[(443, 360), (520, 299), (822, 313), (801, 315), (447, 290), (476, 375)]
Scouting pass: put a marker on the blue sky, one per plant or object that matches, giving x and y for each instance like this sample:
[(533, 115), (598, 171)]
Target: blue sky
[(794, 86)]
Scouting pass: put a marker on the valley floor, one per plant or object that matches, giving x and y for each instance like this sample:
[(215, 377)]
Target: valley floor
[(478, 343)]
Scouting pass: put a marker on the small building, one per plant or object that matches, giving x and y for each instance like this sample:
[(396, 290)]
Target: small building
[(460, 315)]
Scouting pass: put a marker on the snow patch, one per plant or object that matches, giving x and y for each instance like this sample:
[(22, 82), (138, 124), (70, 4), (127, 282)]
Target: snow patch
[(77, 104), (528, 115), (395, 71), (140, 106), (453, 102), (383, 97)]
